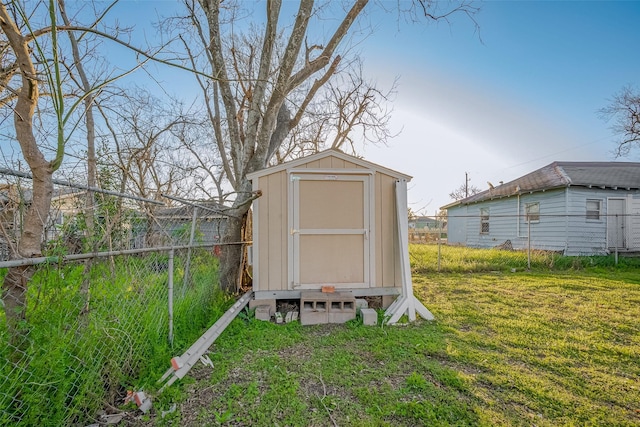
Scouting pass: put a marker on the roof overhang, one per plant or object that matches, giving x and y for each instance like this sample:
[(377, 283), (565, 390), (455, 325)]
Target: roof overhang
[(324, 154)]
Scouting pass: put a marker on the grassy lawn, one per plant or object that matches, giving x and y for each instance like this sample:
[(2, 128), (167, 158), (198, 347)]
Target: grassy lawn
[(548, 347), (540, 348)]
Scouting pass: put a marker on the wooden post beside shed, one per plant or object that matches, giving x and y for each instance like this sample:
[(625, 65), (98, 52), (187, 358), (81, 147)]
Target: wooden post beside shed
[(328, 219)]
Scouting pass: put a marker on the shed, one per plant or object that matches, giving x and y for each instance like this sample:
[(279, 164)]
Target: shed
[(330, 219)]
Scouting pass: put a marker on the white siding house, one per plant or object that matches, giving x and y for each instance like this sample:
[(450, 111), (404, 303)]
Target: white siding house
[(578, 208)]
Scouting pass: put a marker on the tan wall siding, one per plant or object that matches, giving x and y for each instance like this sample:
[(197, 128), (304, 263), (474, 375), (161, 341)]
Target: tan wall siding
[(313, 165), (387, 271), (331, 163), (273, 232)]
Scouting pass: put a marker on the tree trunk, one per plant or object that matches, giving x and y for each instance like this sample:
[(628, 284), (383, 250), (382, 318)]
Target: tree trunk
[(14, 296), (231, 265), (16, 282)]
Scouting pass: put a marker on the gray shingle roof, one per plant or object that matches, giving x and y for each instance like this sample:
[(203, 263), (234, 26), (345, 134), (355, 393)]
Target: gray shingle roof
[(617, 175)]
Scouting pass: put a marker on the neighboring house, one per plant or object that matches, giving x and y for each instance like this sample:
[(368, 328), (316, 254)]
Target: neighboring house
[(173, 225), (578, 208), (426, 229), (65, 206), (421, 222), (14, 201)]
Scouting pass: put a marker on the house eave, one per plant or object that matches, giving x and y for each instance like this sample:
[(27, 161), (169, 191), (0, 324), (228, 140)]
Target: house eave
[(327, 153), (470, 201)]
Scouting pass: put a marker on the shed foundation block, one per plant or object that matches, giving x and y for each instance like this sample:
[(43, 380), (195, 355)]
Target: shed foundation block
[(361, 303), (322, 307), (263, 312), (369, 316), (271, 303)]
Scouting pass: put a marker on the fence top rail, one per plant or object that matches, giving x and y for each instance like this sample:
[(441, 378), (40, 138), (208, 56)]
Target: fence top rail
[(77, 257), (19, 174), (219, 211), (543, 215)]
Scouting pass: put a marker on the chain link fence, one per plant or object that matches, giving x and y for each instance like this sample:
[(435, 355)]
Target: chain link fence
[(122, 286), (532, 237), (126, 283)]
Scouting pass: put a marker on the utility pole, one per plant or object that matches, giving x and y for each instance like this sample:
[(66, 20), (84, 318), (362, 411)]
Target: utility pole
[(466, 184)]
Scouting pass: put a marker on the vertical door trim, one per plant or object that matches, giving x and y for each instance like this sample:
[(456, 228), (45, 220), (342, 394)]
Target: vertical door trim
[(368, 179)]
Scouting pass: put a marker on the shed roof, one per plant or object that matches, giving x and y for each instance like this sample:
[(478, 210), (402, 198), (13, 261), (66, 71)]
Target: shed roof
[(328, 153), (615, 175)]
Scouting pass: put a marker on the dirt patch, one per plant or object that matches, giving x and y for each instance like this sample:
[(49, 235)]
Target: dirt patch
[(300, 352)]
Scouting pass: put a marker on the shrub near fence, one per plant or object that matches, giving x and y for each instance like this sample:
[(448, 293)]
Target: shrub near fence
[(84, 349)]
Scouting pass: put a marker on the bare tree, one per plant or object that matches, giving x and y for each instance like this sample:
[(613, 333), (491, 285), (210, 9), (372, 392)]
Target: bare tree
[(145, 143), (34, 77), (266, 81), (89, 214), (257, 125), (204, 166), (463, 191), (16, 281), (349, 113), (624, 111), (87, 87)]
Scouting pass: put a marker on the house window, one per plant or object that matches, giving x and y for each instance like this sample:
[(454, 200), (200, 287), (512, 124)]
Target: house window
[(533, 211), (484, 220), (593, 209)]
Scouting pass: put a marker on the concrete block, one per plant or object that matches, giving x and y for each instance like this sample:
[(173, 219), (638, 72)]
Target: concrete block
[(323, 307), (313, 311), (258, 302), (361, 303), (369, 316), (263, 312), (341, 311)]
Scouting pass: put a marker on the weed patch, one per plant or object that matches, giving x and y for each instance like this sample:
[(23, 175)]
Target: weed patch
[(86, 348), (557, 345)]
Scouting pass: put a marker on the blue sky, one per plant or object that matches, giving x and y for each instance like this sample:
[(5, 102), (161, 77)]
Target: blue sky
[(499, 102), (496, 102), (521, 93)]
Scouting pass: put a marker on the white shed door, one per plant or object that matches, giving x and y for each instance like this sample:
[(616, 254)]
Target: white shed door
[(330, 234), (616, 223)]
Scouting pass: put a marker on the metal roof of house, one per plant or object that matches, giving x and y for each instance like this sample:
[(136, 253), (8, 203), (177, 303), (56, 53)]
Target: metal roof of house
[(614, 175), (12, 193), (208, 209)]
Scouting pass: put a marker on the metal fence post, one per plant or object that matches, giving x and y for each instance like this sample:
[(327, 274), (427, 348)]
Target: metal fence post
[(439, 241), (187, 266), (170, 277), (528, 242), (617, 236)]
